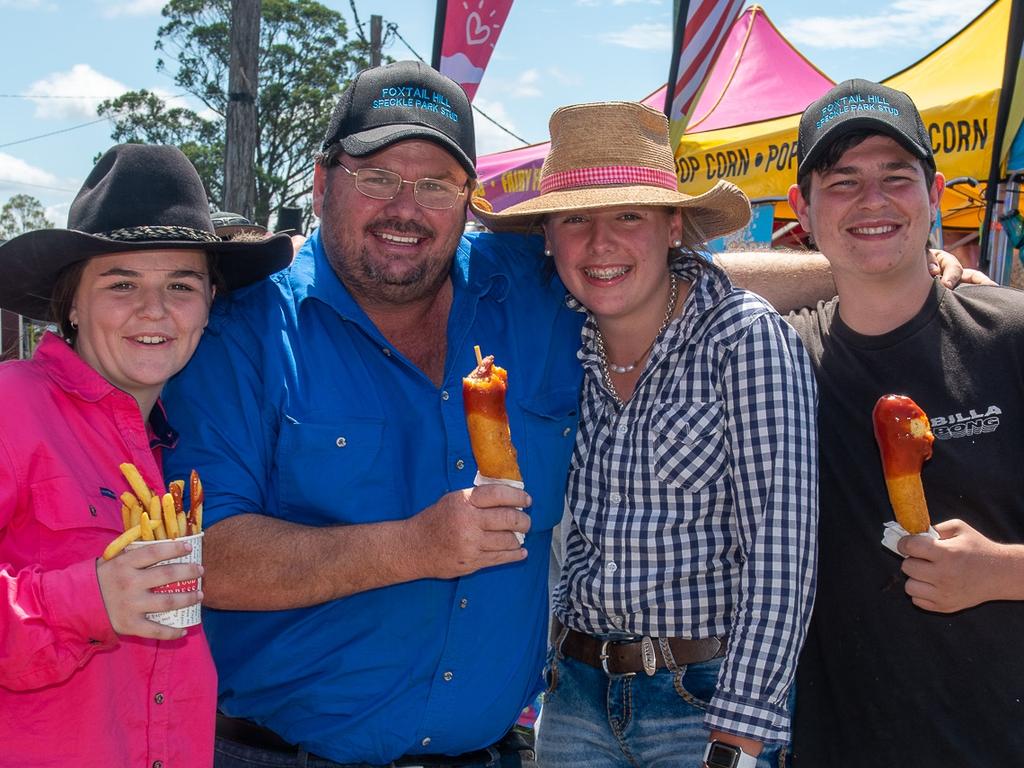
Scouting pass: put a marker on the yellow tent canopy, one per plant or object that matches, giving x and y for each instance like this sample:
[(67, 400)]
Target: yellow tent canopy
[(956, 87)]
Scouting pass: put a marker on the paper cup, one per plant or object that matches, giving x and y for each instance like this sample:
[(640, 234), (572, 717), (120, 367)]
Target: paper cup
[(182, 617), (484, 480)]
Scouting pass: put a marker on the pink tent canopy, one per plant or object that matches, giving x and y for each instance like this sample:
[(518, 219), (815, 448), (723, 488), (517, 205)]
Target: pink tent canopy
[(758, 76)]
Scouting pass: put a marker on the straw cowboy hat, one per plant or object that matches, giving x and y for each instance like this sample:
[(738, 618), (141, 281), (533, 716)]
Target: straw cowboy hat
[(137, 197), (610, 154)]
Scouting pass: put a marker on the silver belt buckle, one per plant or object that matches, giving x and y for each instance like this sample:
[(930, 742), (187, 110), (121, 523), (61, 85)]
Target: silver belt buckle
[(604, 656), (649, 658)]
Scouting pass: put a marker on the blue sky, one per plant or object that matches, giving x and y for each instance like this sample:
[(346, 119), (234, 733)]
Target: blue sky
[(551, 52)]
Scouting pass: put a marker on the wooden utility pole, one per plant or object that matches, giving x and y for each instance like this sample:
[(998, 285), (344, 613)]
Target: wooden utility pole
[(10, 326), (240, 139), (376, 27)]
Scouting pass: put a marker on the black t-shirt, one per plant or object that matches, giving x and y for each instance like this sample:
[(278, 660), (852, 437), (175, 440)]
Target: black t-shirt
[(882, 682)]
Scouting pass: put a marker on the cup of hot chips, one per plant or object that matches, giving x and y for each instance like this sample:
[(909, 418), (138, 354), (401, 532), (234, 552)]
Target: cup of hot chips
[(180, 617), (150, 517)]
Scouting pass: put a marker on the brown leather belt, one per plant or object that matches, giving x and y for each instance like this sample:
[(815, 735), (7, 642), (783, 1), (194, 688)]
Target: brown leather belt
[(620, 658)]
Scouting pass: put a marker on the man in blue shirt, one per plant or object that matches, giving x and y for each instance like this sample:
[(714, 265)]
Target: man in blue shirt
[(368, 605)]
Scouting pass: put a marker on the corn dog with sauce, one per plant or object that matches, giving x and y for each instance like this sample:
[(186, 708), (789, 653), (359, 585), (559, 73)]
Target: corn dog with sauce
[(905, 439), (483, 396)]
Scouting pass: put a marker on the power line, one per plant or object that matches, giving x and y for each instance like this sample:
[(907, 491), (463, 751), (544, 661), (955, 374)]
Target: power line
[(502, 127), (394, 28), (54, 133), (87, 98), (76, 127), (30, 184), (50, 96)]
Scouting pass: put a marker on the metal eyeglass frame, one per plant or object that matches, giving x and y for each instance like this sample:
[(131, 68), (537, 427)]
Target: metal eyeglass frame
[(416, 191)]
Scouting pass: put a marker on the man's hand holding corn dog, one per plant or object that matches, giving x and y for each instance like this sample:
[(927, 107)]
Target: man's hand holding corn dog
[(471, 529), (960, 569), (483, 526)]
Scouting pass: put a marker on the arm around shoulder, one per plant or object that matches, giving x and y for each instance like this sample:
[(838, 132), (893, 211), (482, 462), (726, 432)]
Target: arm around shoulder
[(789, 280)]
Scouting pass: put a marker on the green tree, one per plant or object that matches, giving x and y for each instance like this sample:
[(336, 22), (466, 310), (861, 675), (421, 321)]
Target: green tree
[(142, 117), (22, 213), (305, 61)]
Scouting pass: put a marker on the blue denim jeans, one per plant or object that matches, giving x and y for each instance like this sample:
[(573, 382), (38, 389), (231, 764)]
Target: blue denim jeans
[(594, 720), (229, 754)]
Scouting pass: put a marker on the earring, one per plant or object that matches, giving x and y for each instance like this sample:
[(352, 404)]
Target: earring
[(677, 243), (74, 325), (547, 252)]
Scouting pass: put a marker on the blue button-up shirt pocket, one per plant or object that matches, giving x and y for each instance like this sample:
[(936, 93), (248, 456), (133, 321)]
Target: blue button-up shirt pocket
[(64, 510), (689, 446), (320, 465), (550, 429)]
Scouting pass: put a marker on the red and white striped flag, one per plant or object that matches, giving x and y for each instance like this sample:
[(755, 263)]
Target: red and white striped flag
[(701, 29)]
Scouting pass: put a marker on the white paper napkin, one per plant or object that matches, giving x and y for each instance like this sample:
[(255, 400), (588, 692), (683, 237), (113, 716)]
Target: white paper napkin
[(484, 480), (892, 532)]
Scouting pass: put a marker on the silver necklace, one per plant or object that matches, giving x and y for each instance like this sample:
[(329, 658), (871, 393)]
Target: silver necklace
[(607, 366)]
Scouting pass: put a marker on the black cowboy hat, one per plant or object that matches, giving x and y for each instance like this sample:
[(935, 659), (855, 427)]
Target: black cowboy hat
[(137, 197)]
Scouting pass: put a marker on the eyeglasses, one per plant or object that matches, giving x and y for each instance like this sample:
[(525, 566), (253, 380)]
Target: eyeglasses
[(385, 185)]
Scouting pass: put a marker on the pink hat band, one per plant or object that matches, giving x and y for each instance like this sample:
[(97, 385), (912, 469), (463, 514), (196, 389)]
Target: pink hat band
[(608, 175)]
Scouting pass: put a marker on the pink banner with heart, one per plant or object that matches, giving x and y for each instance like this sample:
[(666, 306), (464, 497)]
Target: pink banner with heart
[(471, 30)]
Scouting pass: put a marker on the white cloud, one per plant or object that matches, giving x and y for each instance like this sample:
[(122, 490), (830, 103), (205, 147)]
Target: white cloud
[(74, 94), (18, 177), (648, 37), (903, 22), (111, 9), (490, 138), (58, 213), (564, 78), (526, 86)]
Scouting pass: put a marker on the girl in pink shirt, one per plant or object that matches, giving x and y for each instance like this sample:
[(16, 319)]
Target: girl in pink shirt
[(85, 678)]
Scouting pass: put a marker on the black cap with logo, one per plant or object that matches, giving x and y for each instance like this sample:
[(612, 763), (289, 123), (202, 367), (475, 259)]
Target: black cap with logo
[(860, 105), (400, 101)]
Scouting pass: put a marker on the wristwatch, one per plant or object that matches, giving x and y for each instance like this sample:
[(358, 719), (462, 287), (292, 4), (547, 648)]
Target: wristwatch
[(721, 755)]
